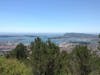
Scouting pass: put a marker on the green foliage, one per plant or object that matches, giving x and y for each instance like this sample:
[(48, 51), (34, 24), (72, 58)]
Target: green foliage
[(81, 59), (20, 52), (47, 59), (62, 64), (44, 56), (13, 67), (95, 64)]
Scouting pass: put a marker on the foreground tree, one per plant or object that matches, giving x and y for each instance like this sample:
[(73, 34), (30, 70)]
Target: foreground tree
[(81, 61), (62, 64), (44, 56), (20, 52)]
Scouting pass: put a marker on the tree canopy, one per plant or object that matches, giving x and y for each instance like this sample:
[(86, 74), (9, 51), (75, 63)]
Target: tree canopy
[(20, 52)]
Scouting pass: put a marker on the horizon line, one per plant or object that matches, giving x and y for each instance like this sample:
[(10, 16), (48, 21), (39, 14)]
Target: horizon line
[(47, 32)]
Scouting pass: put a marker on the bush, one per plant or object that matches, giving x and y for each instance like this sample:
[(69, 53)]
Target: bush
[(13, 67)]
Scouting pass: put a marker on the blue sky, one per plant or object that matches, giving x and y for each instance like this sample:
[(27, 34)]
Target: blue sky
[(48, 16)]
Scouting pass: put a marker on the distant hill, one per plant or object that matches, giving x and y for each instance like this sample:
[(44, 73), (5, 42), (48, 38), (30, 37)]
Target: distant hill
[(77, 38), (76, 35), (81, 35)]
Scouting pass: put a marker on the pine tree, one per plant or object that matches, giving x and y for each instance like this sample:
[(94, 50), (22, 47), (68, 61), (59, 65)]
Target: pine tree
[(20, 52), (44, 56), (81, 58)]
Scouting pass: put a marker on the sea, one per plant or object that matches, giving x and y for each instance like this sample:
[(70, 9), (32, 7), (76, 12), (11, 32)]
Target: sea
[(56, 38), (27, 38)]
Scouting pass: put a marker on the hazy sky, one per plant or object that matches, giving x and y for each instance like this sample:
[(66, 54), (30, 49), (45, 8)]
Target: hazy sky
[(50, 16)]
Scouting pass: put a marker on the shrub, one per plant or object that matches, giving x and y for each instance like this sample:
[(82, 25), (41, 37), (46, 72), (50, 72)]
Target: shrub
[(13, 67)]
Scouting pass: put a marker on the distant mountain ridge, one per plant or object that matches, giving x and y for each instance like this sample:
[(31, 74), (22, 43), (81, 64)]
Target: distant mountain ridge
[(76, 35), (84, 35), (77, 38)]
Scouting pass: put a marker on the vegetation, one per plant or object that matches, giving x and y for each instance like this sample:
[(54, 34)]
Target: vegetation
[(44, 55), (13, 67), (81, 59), (20, 52), (47, 59)]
